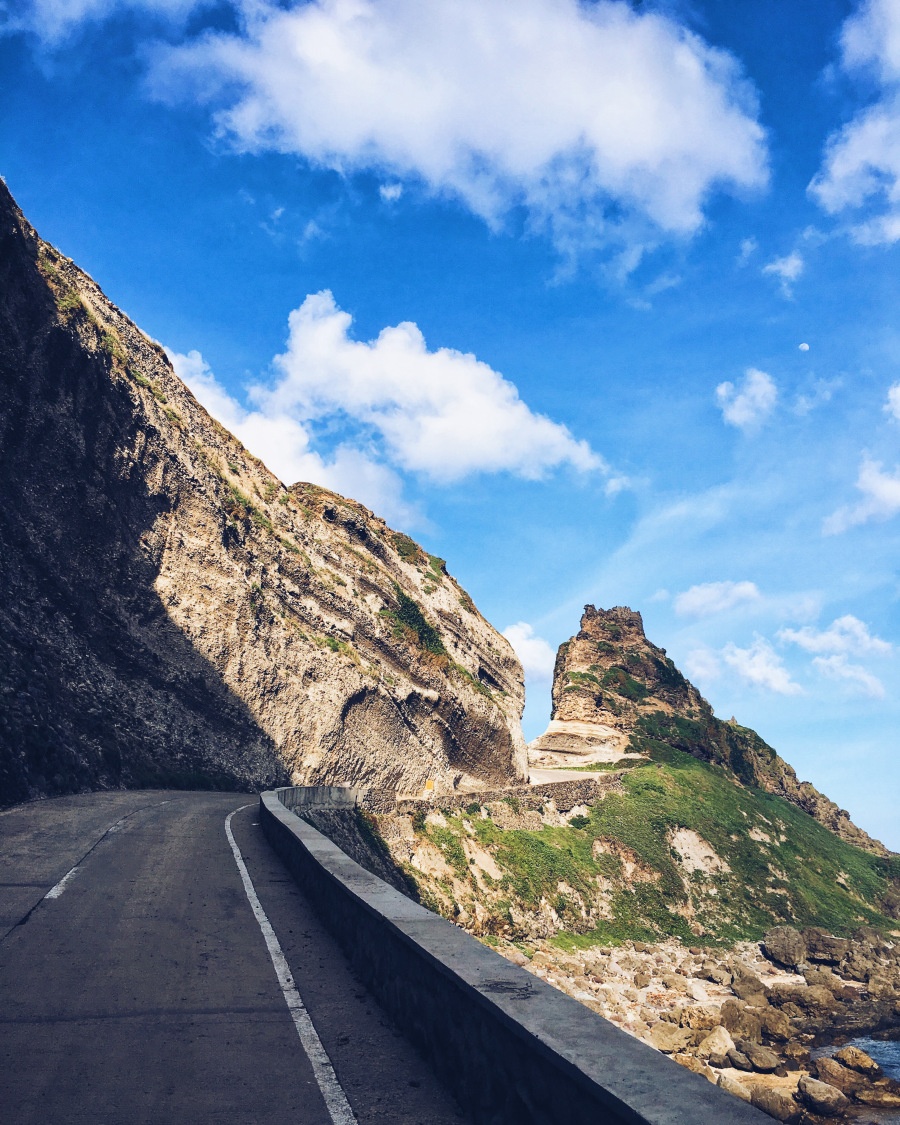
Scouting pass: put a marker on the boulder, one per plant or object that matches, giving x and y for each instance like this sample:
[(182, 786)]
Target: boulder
[(717, 1043), (830, 1071), (815, 998), (796, 1051), (751, 989), (858, 1060), (738, 1059), (642, 980), (718, 974), (821, 1097), (740, 1020), (669, 1038), (776, 1103), (776, 1024), (785, 946), (823, 946), (881, 1095), (762, 1059), (731, 1085)]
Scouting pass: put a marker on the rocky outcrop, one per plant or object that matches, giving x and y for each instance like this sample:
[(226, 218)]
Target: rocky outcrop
[(615, 693), (172, 614)]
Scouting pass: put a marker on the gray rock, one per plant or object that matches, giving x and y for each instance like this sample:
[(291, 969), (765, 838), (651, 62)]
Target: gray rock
[(858, 1060), (776, 1103), (821, 1097), (730, 1085), (785, 946), (763, 1059), (738, 1059), (823, 946)]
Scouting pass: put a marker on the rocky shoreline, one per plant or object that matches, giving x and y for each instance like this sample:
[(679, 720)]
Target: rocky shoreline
[(748, 1019)]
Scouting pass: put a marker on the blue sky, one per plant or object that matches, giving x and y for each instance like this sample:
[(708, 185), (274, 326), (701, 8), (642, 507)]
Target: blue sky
[(599, 301)]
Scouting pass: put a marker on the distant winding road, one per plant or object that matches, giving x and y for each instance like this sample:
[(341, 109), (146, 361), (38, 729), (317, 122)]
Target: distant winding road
[(146, 978)]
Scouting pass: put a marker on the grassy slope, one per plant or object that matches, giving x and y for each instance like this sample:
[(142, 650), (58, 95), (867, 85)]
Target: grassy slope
[(804, 874)]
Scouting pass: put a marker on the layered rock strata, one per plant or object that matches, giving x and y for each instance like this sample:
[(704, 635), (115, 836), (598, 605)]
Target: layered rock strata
[(172, 614), (614, 691)]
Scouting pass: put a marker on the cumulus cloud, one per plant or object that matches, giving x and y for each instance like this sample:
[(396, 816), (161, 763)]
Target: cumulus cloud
[(702, 666), (575, 112), (390, 193), (845, 635), (443, 414), (786, 270), (283, 444), (748, 405), (838, 667), (892, 406), (537, 657), (761, 666), (710, 598), (860, 172), (880, 499)]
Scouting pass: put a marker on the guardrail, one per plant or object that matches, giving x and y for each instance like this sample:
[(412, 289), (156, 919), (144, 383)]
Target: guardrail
[(514, 1050)]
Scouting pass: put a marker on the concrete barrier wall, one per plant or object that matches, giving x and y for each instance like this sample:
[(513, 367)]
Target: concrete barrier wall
[(513, 1050)]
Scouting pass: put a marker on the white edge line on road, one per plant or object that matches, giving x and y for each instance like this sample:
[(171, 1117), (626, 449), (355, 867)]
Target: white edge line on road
[(56, 891), (335, 1099)]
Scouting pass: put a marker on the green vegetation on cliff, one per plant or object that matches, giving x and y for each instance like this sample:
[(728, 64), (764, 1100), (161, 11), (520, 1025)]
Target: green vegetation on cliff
[(679, 850)]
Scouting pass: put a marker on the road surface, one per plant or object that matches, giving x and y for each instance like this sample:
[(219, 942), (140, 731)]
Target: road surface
[(138, 986)]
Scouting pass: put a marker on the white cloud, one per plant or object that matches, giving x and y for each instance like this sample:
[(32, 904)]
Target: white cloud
[(787, 270), (880, 499), (846, 634), (839, 668), (861, 168), (750, 404), (390, 193), (443, 413), (576, 112), (702, 666), (710, 598), (538, 658), (283, 444), (748, 248), (892, 406), (761, 666)]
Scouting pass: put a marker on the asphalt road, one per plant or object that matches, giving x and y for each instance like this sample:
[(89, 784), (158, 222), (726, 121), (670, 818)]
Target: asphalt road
[(141, 989)]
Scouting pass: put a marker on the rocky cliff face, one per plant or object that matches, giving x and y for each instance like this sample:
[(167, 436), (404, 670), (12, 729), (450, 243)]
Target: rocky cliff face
[(171, 613), (615, 693)]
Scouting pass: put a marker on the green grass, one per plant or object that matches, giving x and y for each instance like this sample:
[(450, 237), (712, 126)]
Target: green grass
[(408, 620), (678, 791)]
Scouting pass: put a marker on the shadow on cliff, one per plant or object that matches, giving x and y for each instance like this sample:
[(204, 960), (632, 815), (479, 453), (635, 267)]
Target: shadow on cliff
[(98, 688)]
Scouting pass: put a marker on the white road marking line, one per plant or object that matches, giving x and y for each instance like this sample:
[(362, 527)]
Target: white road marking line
[(335, 1099), (56, 891)]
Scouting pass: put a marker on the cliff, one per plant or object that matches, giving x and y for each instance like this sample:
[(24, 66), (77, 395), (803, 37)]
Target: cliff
[(171, 613), (616, 693)]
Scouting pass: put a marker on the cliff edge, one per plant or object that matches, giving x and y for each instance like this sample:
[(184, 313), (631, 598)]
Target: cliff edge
[(615, 693), (172, 614)]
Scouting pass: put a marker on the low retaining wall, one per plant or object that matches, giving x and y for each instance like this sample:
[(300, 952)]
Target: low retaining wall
[(513, 1050)]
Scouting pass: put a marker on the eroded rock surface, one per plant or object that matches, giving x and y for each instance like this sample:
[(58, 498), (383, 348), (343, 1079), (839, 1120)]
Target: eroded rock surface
[(614, 692), (172, 614)]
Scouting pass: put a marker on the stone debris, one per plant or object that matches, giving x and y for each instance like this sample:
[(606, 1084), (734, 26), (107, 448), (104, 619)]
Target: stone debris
[(743, 1019)]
